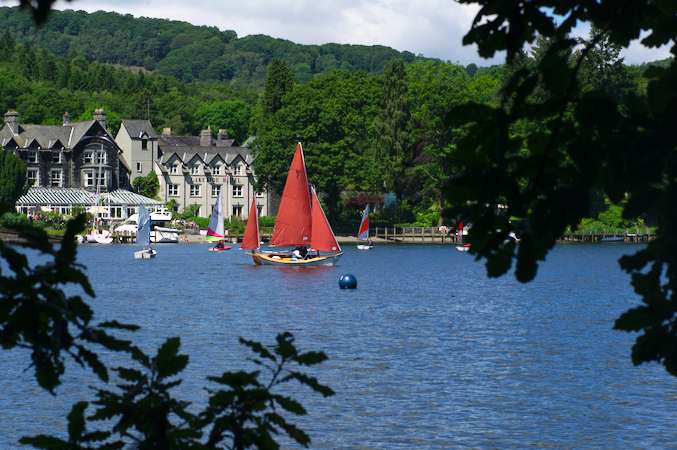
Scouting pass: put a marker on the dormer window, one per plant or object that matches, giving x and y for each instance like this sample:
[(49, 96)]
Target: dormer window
[(195, 169), (216, 170), (88, 157), (174, 169), (238, 169), (101, 157), (32, 157), (56, 157), (144, 144)]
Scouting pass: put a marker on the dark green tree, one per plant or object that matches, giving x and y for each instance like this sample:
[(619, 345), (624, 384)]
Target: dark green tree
[(148, 186), (279, 83), (392, 128), (232, 115), (12, 180)]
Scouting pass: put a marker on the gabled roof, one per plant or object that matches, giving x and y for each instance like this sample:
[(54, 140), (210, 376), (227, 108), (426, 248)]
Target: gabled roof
[(136, 128), (46, 136)]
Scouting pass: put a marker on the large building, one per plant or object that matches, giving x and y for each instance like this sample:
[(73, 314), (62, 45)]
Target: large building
[(192, 170), (71, 155), (72, 165)]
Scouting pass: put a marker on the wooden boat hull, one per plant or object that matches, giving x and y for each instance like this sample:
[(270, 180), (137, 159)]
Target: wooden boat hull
[(285, 260)]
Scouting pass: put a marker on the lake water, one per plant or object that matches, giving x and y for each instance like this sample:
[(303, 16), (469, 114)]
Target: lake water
[(427, 353)]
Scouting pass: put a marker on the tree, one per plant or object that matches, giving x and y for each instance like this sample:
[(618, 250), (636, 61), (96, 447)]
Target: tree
[(12, 180), (231, 115), (392, 127), (280, 81), (540, 157), (148, 186)]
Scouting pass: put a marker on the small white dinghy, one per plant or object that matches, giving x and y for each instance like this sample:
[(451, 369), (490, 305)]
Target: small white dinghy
[(363, 231), (143, 236)]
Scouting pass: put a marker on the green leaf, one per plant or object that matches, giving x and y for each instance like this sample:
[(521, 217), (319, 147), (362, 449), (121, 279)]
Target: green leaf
[(76, 421), (168, 361)]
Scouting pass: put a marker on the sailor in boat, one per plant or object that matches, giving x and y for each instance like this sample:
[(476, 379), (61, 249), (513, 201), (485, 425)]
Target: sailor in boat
[(220, 245), (299, 253)]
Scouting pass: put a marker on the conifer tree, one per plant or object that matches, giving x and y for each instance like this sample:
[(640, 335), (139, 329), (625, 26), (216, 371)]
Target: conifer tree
[(280, 81), (12, 180), (392, 127)]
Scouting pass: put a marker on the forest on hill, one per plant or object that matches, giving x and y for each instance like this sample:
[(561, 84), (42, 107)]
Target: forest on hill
[(367, 132), (185, 51)]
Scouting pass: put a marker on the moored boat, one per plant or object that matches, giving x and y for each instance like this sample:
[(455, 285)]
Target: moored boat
[(300, 224)]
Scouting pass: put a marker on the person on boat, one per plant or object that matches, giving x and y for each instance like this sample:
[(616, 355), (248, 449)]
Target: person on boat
[(370, 243), (300, 252), (220, 245)]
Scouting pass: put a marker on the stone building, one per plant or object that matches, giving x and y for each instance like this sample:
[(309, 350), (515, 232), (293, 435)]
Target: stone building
[(72, 155), (192, 170)]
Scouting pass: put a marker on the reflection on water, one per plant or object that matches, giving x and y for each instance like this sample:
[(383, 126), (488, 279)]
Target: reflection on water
[(427, 353)]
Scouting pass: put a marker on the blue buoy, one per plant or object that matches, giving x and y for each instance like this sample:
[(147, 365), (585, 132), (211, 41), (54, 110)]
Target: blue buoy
[(347, 281)]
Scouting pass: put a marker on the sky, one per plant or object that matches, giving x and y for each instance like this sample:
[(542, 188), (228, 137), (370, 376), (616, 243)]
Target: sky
[(433, 28)]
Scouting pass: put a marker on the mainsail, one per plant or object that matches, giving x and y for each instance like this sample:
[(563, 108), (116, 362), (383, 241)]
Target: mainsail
[(293, 222), (322, 238), (363, 231), (251, 240), (216, 231), (143, 227)]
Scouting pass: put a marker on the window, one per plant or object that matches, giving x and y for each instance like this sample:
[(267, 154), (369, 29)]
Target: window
[(32, 157), (88, 157), (55, 178), (64, 209), (259, 208), (194, 190), (89, 178), (238, 169), (259, 194), (237, 190), (116, 212), (216, 170), (144, 144), (173, 190), (130, 210), (216, 189), (56, 157), (32, 177), (174, 169), (102, 179), (237, 210), (101, 157), (139, 167), (195, 169)]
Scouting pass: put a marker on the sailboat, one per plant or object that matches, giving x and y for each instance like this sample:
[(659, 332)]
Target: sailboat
[(143, 235), (363, 231), (461, 247), (216, 230), (251, 239), (300, 223)]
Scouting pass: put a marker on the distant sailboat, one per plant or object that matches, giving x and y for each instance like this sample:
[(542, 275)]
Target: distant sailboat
[(363, 231), (300, 223), (251, 239), (461, 247), (143, 235), (216, 230)]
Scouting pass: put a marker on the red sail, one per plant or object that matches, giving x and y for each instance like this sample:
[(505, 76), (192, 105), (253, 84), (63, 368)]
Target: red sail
[(323, 238), (251, 233), (293, 224)]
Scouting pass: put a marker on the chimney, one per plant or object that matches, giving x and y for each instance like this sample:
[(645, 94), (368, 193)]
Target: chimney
[(167, 131), (206, 138), (221, 138), (100, 116), (66, 119), (12, 120)]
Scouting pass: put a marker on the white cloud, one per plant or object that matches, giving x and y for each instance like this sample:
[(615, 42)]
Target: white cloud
[(433, 28)]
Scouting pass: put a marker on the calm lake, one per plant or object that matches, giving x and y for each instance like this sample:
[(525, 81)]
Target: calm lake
[(427, 353)]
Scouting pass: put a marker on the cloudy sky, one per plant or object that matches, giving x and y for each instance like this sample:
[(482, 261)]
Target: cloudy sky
[(430, 27)]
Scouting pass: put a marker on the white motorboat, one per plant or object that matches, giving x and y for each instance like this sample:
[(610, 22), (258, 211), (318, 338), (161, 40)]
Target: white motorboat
[(158, 234), (100, 237)]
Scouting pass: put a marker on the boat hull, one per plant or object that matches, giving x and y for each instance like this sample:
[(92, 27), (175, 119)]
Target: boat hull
[(145, 254), (214, 249), (285, 260)]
